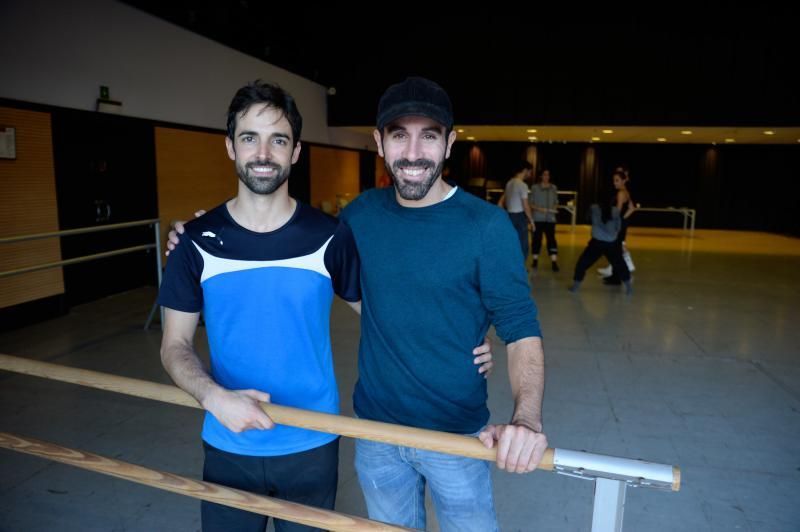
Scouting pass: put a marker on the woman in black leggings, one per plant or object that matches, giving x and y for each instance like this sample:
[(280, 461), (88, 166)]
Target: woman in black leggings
[(626, 208), (606, 226)]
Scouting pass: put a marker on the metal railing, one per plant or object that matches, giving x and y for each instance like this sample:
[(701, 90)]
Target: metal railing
[(688, 214), (571, 205), (86, 258)]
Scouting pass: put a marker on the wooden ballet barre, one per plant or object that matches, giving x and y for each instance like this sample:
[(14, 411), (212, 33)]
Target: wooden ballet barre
[(580, 464), (197, 489), (307, 419)]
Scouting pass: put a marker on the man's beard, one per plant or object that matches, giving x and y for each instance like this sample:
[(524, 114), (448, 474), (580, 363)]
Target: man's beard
[(414, 190), (263, 185)]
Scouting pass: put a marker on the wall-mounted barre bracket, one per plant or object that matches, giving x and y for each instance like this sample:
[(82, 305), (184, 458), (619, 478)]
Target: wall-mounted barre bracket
[(634, 473)]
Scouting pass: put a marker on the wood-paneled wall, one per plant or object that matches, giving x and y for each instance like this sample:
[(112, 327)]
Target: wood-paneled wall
[(194, 172), (380, 171), (28, 205), (334, 172)]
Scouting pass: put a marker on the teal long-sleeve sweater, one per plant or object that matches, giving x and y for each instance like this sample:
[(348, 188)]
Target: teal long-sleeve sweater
[(433, 279)]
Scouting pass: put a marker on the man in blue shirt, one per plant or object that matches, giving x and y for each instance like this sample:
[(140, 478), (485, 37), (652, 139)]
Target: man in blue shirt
[(263, 268), (439, 265)]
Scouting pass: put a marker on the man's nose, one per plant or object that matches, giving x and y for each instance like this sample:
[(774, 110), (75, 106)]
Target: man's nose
[(264, 151), (412, 150)]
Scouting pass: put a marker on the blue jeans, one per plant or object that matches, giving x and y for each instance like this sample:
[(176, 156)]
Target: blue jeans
[(393, 481)]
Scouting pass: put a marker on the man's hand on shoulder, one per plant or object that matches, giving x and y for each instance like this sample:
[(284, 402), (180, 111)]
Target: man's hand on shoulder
[(178, 229)]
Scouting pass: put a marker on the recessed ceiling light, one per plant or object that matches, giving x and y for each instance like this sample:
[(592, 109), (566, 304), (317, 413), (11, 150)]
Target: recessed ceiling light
[(460, 130), (661, 139), (531, 138), (686, 132), (470, 138), (733, 140), (769, 132), (531, 131), (608, 131), (595, 138)]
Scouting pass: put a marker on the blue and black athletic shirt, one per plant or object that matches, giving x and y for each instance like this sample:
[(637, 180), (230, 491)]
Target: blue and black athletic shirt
[(266, 299)]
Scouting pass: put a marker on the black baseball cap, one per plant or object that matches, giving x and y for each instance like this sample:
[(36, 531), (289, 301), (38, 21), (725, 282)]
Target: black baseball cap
[(415, 97)]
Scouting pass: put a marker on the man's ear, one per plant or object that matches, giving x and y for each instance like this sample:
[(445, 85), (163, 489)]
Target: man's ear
[(451, 138), (230, 147), (378, 141), (296, 152)]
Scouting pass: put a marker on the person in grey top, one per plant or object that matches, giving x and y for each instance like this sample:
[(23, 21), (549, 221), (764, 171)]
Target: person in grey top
[(515, 201), (544, 202), (606, 224)]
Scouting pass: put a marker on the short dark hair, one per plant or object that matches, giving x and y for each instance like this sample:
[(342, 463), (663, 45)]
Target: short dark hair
[(272, 95), (522, 166)]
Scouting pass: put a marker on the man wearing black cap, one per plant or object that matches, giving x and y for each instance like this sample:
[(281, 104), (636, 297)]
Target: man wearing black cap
[(438, 267)]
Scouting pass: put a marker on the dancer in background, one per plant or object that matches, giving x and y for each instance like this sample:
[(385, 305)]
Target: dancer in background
[(606, 226), (626, 207), (544, 202), (515, 201)]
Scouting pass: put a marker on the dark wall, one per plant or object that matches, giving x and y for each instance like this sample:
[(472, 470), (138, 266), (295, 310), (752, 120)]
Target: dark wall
[(105, 174), (300, 181), (611, 63), (732, 187), (708, 65)]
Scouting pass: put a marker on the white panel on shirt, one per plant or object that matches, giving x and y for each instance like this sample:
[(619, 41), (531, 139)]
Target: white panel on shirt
[(213, 265)]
